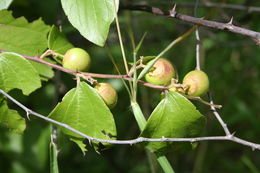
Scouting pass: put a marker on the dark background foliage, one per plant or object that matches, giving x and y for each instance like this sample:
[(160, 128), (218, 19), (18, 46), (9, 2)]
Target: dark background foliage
[(231, 61)]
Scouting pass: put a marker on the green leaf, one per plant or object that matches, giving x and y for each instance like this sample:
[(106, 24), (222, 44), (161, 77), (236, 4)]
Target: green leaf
[(57, 41), (80, 144), (4, 4), (91, 18), (17, 35), (174, 117), (83, 109), (45, 72), (17, 72), (10, 118)]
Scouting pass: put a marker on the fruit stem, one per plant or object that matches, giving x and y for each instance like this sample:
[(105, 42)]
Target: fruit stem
[(141, 121)]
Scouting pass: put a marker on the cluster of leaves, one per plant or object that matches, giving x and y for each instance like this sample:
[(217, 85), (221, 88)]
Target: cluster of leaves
[(17, 72), (82, 108), (233, 65)]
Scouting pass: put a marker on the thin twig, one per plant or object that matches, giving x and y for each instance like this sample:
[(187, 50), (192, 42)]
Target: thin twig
[(137, 140), (198, 44), (96, 75), (202, 101), (208, 23), (222, 123)]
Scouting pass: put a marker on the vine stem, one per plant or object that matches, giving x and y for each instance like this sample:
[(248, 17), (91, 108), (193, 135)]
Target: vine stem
[(136, 140)]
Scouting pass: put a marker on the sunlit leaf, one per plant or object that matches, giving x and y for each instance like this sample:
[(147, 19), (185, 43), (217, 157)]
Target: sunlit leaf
[(4, 4), (57, 41), (17, 35), (91, 18), (83, 109), (11, 119), (45, 72), (80, 144), (174, 117), (17, 72)]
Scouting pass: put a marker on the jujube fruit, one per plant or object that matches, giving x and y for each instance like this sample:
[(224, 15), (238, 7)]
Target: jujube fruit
[(108, 94), (76, 59), (161, 73), (197, 83)]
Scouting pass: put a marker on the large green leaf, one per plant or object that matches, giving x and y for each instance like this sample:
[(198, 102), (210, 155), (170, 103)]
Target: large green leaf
[(4, 4), (83, 109), (17, 35), (57, 41), (17, 72), (45, 72), (91, 18), (174, 117), (10, 118)]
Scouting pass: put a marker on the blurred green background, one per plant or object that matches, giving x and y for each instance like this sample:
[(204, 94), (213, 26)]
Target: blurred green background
[(231, 61)]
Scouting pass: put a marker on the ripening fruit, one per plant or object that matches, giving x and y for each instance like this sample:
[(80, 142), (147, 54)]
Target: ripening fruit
[(108, 94), (76, 59), (161, 73), (197, 82)]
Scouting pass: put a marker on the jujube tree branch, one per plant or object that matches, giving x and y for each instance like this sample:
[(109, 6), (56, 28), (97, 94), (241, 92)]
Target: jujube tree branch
[(230, 137), (199, 21), (96, 75), (247, 8)]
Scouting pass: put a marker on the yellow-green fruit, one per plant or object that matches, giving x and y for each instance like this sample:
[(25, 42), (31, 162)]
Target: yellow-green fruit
[(161, 73), (197, 82), (76, 59), (108, 94)]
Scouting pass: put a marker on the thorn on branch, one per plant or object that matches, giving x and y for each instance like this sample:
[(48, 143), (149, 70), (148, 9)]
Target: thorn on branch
[(231, 21), (28, 115), (173, 11), (257, 41)]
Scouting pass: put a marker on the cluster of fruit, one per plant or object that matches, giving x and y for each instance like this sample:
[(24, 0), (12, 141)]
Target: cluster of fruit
[(195, 83), (79, 60)]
